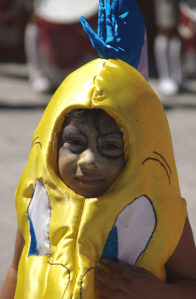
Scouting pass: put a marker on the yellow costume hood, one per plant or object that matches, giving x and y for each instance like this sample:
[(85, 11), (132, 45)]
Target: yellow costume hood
[(139, 219)]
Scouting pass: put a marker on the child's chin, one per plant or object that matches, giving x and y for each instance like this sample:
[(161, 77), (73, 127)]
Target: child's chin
[(90, 189), (90, 193)]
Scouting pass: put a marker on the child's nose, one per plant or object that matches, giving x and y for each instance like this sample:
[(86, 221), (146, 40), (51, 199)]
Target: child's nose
[(89, 160)]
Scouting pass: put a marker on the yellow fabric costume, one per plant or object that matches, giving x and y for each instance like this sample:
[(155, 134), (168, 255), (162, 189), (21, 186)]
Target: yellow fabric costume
[(71, 231)]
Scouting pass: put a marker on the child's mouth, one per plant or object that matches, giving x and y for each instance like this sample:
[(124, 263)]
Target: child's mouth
[(89, 180)]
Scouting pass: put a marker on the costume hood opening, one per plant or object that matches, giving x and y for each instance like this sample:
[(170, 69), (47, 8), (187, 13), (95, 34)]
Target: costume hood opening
[(120, 91)]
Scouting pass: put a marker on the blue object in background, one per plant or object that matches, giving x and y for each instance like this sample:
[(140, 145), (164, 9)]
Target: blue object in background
[(121, 31)]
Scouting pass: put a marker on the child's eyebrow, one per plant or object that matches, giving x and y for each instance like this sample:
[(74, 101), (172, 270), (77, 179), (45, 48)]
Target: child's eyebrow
[(111, 135), (72, 132)]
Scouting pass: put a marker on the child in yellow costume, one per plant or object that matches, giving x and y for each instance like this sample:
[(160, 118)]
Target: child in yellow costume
[(101, 183)]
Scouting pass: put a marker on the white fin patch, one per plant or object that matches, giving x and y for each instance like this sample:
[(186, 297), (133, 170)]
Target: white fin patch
[(39, 211), (135, 225)]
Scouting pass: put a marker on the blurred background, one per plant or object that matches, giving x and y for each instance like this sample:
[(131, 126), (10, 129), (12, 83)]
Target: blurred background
[(42, 41)]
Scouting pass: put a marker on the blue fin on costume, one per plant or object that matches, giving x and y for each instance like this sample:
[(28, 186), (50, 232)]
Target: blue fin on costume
[(132, 231), (111, 247), (33, 250), (121, 31)]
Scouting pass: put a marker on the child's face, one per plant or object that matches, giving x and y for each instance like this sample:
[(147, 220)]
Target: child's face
[(91, 156)]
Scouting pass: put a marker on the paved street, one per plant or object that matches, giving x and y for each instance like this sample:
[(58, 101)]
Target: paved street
[(20, 112)]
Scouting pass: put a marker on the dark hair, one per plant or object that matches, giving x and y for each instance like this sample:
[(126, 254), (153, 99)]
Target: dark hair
[(79, 113)]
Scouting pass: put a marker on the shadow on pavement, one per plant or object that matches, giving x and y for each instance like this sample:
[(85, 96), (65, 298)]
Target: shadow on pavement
[(175, 106), (6, 106), (36, 106), (13, 76)]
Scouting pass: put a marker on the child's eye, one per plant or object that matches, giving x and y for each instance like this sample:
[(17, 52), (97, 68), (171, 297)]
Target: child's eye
[(110, 146), (111, 149), (74, 144)]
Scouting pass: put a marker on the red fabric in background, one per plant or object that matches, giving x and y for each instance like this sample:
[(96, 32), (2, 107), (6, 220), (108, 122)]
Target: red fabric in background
[(189, 43), (5, 4), (65, 44), (14, 14)]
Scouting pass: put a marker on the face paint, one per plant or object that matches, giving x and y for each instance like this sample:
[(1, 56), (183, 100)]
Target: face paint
[(90, 158), (110, 146)]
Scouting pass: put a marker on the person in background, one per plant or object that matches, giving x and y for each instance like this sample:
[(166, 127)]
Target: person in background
[(187, 31), (12, 19), (167, 47), (54, 41)]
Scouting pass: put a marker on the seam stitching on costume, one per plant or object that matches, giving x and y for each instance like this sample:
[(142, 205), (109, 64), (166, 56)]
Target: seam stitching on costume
[(35, 139), (38, 142), (75, 242), (157, 160), (95, 77), (81, 282), (69, 274), (28, 216), (155, 226), (156, 153), (49, 220), (50, 209)]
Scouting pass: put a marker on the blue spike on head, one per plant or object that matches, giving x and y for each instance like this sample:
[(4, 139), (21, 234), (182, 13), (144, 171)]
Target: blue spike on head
[(121, 31)]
